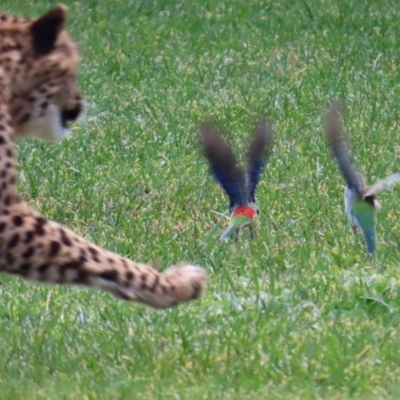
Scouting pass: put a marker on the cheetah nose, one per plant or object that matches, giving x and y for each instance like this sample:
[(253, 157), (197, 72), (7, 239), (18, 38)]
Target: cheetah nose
[(70, 115)]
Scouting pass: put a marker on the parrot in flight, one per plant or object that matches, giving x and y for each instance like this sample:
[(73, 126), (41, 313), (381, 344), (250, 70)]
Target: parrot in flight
[(359, 198), (240, 185)]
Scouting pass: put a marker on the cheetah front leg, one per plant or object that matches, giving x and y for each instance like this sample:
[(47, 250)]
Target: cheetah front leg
[(42, 250), (39, 97)]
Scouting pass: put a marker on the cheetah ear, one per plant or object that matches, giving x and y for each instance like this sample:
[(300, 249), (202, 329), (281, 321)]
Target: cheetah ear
[(46, 29)]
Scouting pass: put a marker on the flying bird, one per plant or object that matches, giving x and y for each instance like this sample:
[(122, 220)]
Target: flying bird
[(359, 198), (239, 184)]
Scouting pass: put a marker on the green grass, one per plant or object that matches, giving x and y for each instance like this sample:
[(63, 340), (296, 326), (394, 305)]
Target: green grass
[(299, 313)]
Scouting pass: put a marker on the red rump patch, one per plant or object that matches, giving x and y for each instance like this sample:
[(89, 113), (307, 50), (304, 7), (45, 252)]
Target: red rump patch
[(245, 210)]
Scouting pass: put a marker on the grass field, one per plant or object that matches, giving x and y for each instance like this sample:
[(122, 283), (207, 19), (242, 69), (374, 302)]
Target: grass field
[(299, 313)]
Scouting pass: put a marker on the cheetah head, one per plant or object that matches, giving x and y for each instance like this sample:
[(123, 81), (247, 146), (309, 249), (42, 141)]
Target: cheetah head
[(38, 64)]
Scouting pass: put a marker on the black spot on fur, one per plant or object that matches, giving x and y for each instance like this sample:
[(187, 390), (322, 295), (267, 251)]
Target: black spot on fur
[(110, 275), (43, 268), (17, 220), (153, 287), (28, 253), (41, 221), (13, 241), (82, 257), (64, 238), (129, 275), (39, 230), (29, 237), (94, 254), (2, 226), (54, 248)]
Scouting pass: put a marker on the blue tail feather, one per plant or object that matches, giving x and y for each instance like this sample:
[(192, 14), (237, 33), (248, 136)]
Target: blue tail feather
[(370, 238)]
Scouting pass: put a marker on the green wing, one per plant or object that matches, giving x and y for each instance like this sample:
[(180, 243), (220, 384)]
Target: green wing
[(364, 214)]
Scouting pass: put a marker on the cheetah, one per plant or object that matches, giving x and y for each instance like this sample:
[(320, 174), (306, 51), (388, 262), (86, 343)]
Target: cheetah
[(39, 98)]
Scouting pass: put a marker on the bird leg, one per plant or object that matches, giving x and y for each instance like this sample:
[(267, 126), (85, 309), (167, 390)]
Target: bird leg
[(237, 235), (251, 233)]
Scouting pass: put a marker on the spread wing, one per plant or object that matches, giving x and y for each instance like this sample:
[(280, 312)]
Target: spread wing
[(223, 164), (257, 157), (340, 150), (383, 184)]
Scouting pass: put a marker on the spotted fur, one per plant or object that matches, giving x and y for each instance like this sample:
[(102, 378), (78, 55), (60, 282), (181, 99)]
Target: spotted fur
[(39, 97)]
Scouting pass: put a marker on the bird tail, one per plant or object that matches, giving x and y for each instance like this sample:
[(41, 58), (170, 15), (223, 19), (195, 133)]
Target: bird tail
[(364, 213), (370, 238), (229, 231), (236, 223)]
